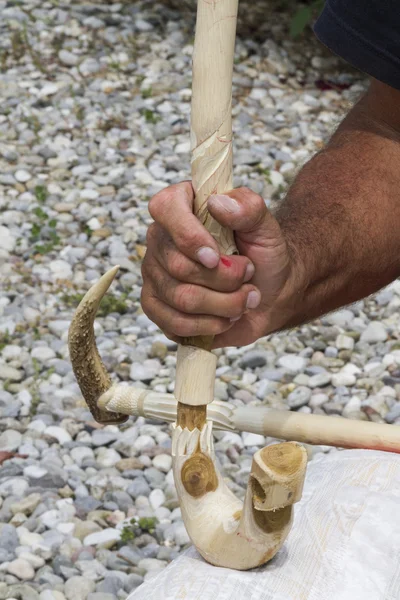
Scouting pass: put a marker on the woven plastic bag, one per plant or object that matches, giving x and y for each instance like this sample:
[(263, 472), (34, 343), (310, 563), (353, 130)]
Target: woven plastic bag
[(344, 545)]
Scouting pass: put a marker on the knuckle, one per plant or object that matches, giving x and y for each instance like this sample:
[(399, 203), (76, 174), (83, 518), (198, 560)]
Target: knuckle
[(186, 298), (183, 328), (218, 326), (152, 234), (189, 240), (158, 202), (178, 266)]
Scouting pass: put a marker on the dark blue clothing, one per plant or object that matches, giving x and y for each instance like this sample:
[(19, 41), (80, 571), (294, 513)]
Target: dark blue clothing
[(366, 33)]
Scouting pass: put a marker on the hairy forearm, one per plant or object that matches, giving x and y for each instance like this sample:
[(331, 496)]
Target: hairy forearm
[(341, 218)]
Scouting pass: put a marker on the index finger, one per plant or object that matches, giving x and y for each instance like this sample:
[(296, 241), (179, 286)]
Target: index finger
[(172, 209)]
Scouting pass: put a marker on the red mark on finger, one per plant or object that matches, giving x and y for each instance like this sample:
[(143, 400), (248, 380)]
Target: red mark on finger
[(225, 261)]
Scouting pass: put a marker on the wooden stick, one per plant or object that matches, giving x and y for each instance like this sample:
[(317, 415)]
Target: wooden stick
[(211, 143), (280, 424), (224, 532)]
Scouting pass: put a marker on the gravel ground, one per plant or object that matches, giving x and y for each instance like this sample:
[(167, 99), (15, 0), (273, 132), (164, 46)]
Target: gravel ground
[(95, 100)]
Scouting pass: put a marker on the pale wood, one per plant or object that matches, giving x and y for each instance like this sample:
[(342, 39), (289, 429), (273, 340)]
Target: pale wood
[(195, 376), (284, 425), (226, 532), (211, 117)]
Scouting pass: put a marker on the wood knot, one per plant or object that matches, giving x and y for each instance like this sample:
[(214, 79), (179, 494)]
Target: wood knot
[(198, 475)]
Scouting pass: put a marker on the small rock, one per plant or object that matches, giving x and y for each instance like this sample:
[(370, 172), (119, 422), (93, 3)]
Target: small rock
[(138, 487), (319, 380), (43, 353), (346, 379), (10, 440), (78, 588), (51, 595), (156, 498), (8, 538), (61, 435), (104, 539), (89, 66), (10, 374), (22, 569), (375, 332), (393, 414), (144, 442), (68, 58), (22, 176), (27, 505), (128, 464), (253, 359), (292, 363), (299, 397), (344, 342), (107, 457), (84, 528), (253, 439), (162, 462)]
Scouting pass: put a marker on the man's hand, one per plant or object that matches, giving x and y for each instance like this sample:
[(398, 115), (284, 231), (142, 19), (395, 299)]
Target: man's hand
[(189, 289)]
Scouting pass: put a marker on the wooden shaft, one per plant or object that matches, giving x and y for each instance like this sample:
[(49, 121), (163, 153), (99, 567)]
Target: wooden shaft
[(280, 424), (318, 429), (211, 127)]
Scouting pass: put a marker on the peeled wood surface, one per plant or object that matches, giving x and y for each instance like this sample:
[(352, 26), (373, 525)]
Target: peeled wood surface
[(285, 425), (211, 119)]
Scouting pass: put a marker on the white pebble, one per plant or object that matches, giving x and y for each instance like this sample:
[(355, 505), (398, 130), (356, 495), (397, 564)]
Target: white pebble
[(105, 538), (253, 439), (21, 568), (22, 176), (156, 498), (58, 433), (375, 332), (162, 462)]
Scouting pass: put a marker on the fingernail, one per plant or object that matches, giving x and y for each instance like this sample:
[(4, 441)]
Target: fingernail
[(253, 299), (250, 269), (224, 202), (234, 319), (208, 257)]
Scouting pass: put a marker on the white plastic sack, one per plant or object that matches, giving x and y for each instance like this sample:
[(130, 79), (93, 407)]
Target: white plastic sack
[(344, 545)]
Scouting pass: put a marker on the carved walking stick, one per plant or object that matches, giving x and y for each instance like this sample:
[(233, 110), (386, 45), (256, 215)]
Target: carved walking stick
[(226, 532)]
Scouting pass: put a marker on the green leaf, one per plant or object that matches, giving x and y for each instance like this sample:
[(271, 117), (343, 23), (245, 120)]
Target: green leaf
[(300, 21)]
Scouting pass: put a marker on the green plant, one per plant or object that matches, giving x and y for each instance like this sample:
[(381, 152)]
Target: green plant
[(150, 116), (5, 339), (137, 526), (304, 16), (41, 193), (44, 229)]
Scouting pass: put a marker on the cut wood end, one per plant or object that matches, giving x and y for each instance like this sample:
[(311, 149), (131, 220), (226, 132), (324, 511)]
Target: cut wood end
[(277, 475)]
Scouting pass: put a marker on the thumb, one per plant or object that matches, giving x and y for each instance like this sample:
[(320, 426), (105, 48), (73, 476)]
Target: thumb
[(246, 213)]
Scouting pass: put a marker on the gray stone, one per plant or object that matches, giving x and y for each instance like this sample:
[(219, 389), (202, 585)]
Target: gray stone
[(293, 363), (9, 540), (110, 585), (68, 58), (78, 588), (10, 440), (299, 397), (139, 487), (375, 332), (10, 374), (253, 359)]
